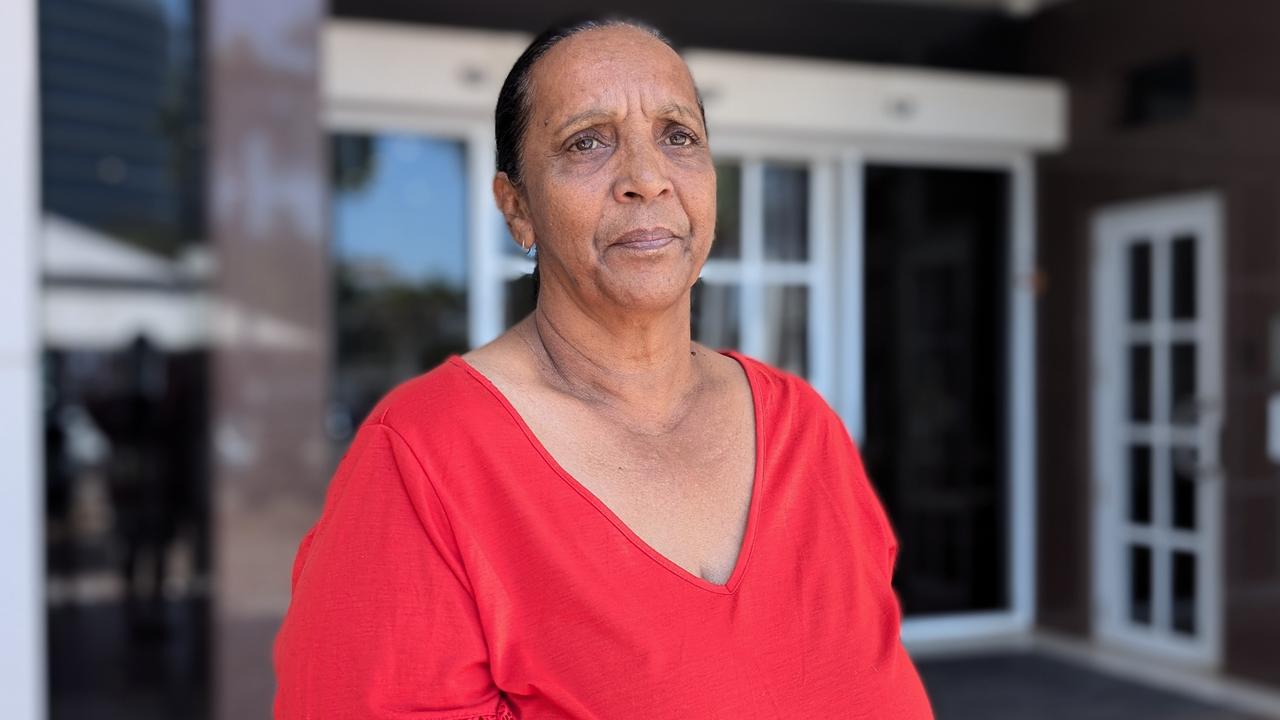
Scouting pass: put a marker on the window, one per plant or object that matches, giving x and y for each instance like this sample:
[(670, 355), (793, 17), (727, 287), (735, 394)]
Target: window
[(757, 289), (399, 254)]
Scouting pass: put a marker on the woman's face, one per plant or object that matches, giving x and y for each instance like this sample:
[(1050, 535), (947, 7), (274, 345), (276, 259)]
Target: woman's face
[(618, 186)]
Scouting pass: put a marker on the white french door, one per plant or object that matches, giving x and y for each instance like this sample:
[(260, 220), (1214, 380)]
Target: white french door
[(1157, 412)]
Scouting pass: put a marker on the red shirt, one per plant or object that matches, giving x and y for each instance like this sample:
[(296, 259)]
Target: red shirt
[(457, 571)]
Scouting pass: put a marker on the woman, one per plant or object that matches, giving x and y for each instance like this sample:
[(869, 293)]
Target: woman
[(594, 516)]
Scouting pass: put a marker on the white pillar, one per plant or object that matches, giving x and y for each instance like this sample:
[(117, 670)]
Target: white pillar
[(23, 693)]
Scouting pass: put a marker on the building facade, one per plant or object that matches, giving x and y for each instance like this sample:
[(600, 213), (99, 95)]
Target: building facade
[(1029, 252)]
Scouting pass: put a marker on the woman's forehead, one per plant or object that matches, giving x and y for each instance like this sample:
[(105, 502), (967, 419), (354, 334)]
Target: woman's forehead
[(597, 69)]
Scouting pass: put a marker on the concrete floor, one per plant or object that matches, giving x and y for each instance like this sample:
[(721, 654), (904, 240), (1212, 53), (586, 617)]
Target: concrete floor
[(107, 668), (1035, 686)]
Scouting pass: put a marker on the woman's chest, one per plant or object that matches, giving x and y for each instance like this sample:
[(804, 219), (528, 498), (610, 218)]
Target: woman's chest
[(584, 623), (690, 504), (686, 493)]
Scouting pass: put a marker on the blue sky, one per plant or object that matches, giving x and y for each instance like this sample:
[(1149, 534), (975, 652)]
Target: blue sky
[(412, 213)]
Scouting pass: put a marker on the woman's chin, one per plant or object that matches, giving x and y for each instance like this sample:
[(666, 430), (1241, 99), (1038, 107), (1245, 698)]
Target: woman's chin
[(650, 294)]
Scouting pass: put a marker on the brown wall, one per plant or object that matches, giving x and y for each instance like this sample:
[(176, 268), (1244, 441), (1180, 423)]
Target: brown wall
[(1231, 143), (268, 216)]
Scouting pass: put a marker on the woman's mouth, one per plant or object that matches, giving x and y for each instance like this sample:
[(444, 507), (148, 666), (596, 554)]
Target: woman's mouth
[(644, 239)]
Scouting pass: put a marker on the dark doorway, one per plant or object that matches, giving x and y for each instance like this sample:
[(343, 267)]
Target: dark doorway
[(935, 260)]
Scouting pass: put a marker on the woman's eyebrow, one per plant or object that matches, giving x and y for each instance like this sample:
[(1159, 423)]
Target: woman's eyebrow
[(670, 109), (584, 115), (676, 108)]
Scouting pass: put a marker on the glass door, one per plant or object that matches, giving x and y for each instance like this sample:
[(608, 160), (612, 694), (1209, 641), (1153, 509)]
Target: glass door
[(1158, 411), (759, 288), (127, 358), (935, 380), (400, 265)]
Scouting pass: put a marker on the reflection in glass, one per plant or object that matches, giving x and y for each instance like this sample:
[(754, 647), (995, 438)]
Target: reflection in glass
[(786, 212), (714, 321), (728, 238), (400, 264), (127, 529), (786, 327), (125, 394), (121, 133)]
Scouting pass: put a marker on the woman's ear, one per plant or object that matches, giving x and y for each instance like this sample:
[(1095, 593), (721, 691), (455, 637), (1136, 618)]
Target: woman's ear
[(515, 211)]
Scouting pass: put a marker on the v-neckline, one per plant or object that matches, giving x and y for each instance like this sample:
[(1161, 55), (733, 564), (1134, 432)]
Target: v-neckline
[(757, 482)]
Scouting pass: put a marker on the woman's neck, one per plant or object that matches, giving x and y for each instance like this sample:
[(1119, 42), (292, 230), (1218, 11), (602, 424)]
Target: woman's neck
[(636, 367)]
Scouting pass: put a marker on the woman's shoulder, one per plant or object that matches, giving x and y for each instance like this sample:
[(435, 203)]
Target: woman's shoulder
[(802, 418), (782, 390), (436, 398)]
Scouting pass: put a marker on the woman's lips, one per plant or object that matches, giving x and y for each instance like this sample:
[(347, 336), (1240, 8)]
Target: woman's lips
[(644, 238)]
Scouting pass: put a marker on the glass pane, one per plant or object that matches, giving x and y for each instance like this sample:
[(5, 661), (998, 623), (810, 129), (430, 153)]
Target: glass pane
[(121, 106), (519, 299), (126, 358), (1140, 484), (1182, 359), (728, 238), (715, 315), (1140, 281), (1184, 278), (1184, 592), (1183, 463), (935, 256), (1140, 584), (786, 327), (400, 272), (786, 212), (1140, 383)]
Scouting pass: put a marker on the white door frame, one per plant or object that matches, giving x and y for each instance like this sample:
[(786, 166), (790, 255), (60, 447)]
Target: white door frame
[(1020, 409), (837, 117), (1113, 229)]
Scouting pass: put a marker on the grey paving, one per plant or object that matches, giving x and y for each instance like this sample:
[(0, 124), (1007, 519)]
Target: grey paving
[(1017, 685)]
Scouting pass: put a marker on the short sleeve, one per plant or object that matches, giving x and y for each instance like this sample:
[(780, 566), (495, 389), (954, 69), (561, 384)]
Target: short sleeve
[(877, 509), (382, 622), (865, 491)]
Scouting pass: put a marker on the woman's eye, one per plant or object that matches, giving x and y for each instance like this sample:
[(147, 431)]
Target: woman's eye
[(681, 138)]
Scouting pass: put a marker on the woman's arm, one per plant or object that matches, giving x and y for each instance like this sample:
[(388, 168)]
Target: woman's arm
[(382, 622)]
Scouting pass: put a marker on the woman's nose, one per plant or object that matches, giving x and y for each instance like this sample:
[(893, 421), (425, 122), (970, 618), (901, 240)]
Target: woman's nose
[(642, 172)]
